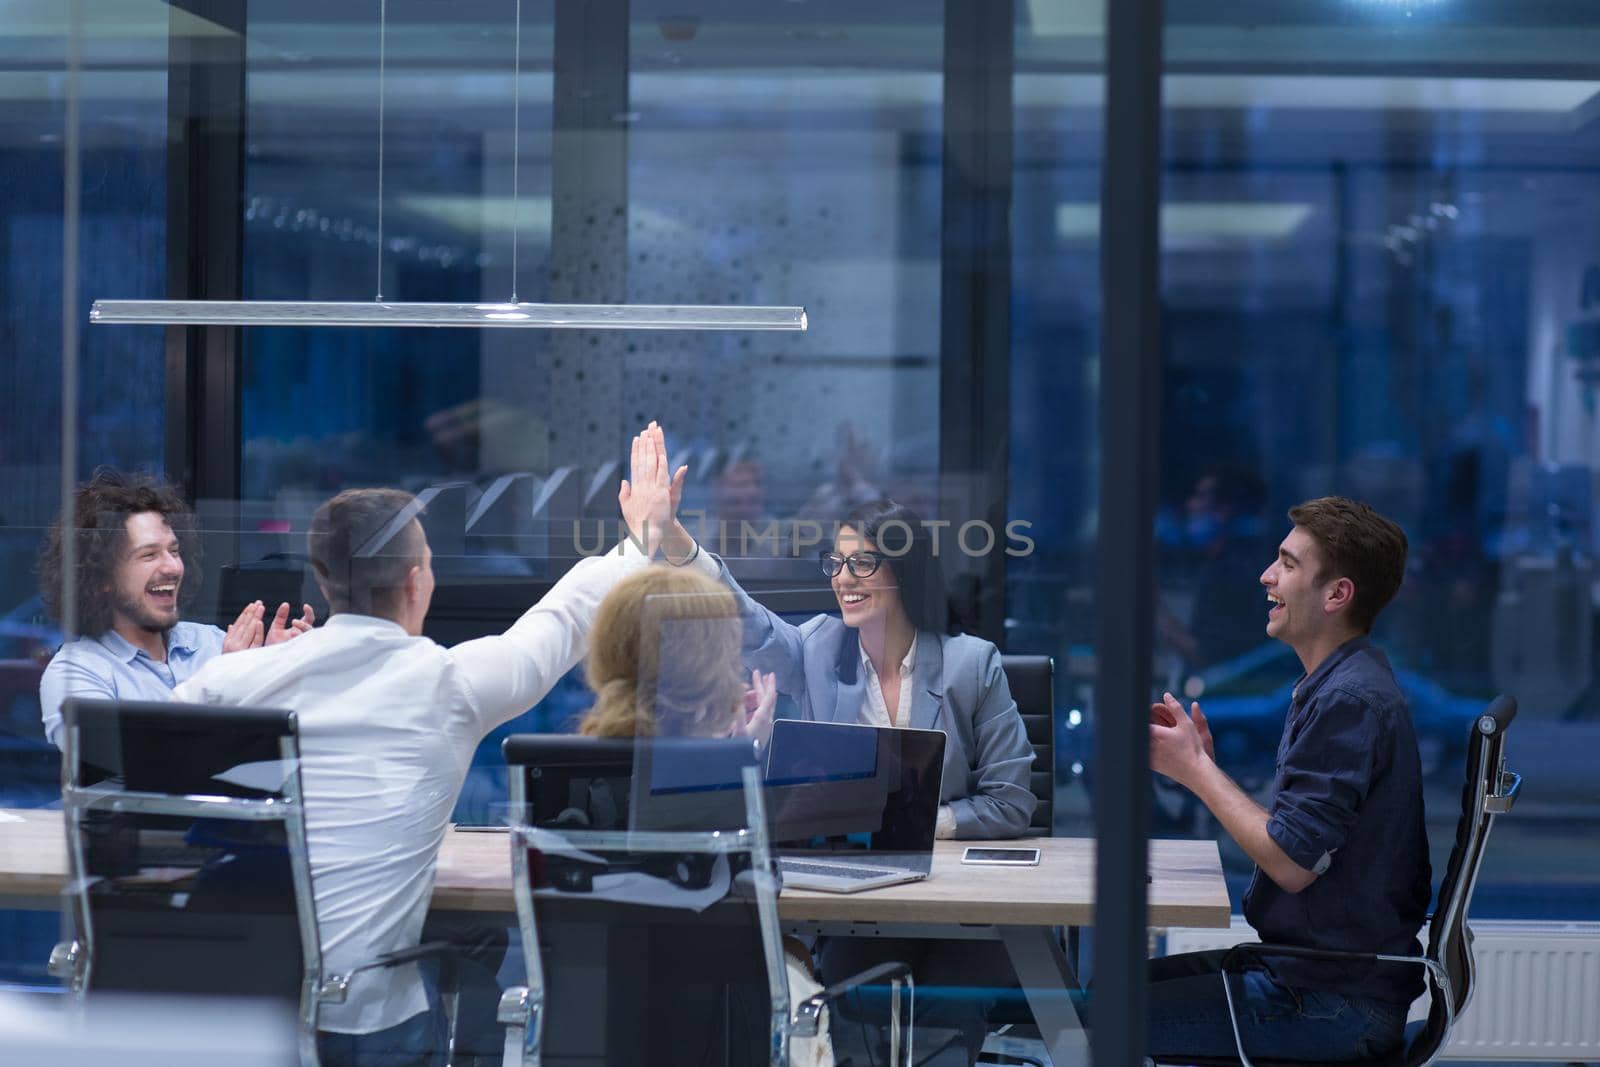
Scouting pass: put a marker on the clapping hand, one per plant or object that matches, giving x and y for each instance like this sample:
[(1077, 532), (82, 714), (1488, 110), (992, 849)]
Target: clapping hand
[(250, 629), (283, 628), (1179, 741), (760, 700), (247, 630)]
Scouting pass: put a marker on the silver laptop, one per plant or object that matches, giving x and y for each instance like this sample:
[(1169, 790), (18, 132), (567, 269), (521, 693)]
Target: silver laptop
[(853, 807)]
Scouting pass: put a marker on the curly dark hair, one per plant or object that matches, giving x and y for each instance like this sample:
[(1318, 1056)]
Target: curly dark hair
[(100, 510)]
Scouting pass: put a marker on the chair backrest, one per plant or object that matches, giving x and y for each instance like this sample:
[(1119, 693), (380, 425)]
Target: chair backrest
[(1033, 686), (1489, 790), (187, 851), (568, 780), (642, 946)]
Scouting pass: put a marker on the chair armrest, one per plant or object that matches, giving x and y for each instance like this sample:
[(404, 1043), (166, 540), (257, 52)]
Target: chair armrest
[(64, 960), (514, 1005), (1505, 795), (336, 987), (1235, 960), (426, 950), (809, 1011)]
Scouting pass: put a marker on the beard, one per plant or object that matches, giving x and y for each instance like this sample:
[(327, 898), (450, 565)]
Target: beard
[(138, 613)]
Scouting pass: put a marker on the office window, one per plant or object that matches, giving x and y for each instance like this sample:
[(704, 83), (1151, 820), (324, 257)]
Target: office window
[(1052, 583), (1377, 282), (120, 378), (667, 166)]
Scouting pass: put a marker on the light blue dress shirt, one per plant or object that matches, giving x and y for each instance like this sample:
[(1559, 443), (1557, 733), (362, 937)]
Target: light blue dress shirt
[(110, 667)]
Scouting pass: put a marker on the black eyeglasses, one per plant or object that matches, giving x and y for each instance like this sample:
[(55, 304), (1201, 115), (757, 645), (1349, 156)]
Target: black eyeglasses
[(861, 564)]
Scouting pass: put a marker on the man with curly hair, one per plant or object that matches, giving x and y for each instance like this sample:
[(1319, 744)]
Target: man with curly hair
[(136, 562)]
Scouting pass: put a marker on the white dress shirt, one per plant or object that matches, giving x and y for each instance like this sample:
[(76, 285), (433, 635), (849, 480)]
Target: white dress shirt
[(388, 725), (875, 712)]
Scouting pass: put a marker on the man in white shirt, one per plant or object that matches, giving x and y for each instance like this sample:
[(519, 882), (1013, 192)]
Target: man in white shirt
[(389, 721)]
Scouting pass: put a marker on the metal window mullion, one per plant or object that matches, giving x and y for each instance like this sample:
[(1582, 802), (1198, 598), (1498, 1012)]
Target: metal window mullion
[(1129, 432), (975, 284), (205, 246)]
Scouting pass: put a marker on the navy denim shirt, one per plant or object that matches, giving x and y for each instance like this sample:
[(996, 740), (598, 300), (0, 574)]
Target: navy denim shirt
[(1348, 805)]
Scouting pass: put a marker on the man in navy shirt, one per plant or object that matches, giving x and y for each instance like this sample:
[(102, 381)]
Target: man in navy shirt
[(1342, 853)]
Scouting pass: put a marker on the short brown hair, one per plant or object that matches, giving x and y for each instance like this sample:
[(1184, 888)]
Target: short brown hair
[(363, 543), (1356, 543), (664, 657), (100, 511)]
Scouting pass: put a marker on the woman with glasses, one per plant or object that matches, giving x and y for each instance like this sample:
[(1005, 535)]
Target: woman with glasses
[(887, 660)]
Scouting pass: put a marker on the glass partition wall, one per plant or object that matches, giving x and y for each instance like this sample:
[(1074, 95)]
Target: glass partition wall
[(1373, 281), (861, 164), (83, 168)]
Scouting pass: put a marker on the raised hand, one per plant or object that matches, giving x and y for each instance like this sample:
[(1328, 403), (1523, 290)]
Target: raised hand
[(645, 497), (247, 630), (282, 628), (678, 476), (677, 543)]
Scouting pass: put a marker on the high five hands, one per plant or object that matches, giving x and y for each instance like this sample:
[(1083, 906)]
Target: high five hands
[(649, 497)]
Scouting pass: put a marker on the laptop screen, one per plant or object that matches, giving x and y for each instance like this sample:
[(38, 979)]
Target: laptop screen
[(840, 788)]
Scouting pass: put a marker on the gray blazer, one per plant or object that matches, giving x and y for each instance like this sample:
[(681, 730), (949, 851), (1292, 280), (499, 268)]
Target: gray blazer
[(958, 687)]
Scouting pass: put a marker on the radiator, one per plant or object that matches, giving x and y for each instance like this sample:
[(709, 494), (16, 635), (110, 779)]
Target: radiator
[(1537, 996)]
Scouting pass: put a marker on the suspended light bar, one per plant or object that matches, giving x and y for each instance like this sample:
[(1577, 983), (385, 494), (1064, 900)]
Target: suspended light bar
[(383, 313)]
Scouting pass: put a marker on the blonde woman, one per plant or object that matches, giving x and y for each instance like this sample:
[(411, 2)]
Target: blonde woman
[(664, 662)]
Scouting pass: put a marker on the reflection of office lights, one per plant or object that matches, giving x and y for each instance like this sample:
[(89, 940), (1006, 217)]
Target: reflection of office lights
[(1403, 239), (1196, 223)]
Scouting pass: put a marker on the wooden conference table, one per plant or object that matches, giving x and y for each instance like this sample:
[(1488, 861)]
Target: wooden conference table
[(1018, 905)]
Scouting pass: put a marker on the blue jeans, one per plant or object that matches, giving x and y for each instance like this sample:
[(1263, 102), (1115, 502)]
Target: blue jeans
[(417, 1042), (1189, 1015)]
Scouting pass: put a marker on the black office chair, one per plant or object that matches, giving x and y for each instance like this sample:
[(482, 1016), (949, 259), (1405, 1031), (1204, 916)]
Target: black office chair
[(1489, 790), (186, 849), (1033, 686), (656, 945), (1013, 1036)]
